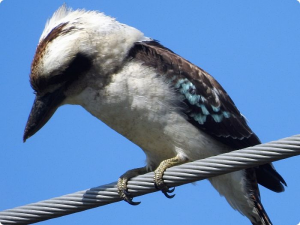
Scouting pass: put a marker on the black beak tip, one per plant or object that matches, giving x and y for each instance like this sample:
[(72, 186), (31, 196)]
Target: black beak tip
[(26, 135), (31, 128), (24, 139)]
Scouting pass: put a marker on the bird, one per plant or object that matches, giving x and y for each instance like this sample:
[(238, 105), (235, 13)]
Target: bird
[(172, 109)]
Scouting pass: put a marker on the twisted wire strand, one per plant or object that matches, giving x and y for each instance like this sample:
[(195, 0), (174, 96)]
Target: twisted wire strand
[(140, 185)]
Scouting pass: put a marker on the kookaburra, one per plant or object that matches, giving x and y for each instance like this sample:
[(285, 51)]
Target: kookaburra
[(173, 110)]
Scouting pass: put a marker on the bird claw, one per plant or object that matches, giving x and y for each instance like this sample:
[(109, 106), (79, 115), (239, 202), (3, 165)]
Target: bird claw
[(171, 190), (160, 185), (167, 195), (126, 196)]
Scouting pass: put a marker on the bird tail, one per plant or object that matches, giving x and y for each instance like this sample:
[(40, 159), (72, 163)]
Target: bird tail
[(268, 177), (258, 215), (260, 211)]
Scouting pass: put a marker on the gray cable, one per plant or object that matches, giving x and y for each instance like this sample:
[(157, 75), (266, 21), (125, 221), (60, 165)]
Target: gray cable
[(175, 176)]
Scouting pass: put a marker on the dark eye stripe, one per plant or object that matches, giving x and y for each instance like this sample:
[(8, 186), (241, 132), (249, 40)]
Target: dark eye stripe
[(80, 64)]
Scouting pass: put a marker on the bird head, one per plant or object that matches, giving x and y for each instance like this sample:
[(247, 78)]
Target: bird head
[(76, 49)]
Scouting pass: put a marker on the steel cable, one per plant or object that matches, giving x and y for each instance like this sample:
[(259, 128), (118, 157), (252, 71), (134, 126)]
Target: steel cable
[(140, 185)]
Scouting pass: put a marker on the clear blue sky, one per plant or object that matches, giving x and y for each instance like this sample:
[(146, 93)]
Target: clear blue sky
[(251, 47)]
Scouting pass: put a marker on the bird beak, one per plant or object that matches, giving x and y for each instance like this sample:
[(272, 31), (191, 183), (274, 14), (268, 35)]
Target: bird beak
[(42, 110)]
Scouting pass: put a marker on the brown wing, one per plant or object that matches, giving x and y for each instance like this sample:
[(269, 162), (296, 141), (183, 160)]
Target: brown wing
[(209, 106)]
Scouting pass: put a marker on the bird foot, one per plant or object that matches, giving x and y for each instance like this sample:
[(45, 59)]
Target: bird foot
[(123, 191), (159, 172), (122, 184)]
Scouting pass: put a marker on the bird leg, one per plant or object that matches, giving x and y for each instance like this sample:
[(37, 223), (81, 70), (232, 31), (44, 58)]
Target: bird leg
[(159, 172), (122, 184)]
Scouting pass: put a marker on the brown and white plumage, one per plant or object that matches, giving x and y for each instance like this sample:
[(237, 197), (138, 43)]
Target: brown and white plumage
[(155, 98)]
